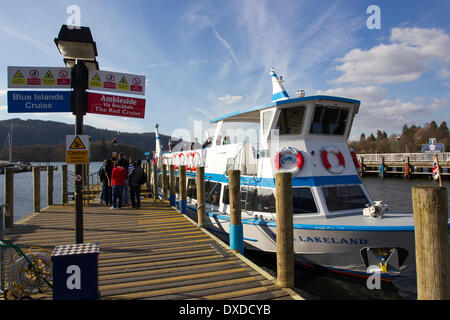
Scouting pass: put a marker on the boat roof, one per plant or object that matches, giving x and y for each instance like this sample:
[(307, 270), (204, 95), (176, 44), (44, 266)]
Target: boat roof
[(252, 114)]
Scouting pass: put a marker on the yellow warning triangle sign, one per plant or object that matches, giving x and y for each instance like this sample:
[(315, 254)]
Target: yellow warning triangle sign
[(123, 80), (77, 144), (48, 75), (18, 74), (96, 77)]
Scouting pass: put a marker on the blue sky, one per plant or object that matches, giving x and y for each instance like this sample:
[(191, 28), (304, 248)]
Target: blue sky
[(203, 59)]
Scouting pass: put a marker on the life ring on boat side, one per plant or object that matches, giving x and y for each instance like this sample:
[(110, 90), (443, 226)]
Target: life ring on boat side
[(181, 161), (188, 166), (292, 155), (355, 160), (333, 169), (196, 160)]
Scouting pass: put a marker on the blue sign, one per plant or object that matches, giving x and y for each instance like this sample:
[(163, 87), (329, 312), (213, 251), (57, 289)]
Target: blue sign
[(39, 101)]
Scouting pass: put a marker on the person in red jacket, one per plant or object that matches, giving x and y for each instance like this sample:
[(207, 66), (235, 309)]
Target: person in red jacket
[(118, 176)]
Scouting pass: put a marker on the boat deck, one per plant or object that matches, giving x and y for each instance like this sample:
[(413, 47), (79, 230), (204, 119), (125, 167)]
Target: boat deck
[(151, 253)]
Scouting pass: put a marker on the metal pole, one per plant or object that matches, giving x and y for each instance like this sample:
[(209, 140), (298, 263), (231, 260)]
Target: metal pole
[(79, 80)]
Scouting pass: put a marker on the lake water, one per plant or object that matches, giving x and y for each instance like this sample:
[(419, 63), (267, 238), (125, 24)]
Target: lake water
[(396, 192)]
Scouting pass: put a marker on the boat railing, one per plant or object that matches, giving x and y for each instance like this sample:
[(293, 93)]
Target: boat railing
[(402, 157)]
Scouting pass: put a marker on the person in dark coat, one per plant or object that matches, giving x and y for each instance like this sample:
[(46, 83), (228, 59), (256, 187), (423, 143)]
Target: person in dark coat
[(134, 179)]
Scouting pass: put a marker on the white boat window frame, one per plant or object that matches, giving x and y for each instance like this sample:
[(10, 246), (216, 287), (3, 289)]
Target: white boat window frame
[(352, 110)]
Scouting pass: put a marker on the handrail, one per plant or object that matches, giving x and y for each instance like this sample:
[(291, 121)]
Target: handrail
[(401, 157)]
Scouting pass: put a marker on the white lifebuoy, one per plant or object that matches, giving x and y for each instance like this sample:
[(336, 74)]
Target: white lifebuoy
[(188, 161), (333, 169), (286, 156), (196, 160), (181, 161)]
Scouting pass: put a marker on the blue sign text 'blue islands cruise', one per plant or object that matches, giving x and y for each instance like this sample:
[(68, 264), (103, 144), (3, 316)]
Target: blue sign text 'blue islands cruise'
[(39, 101)]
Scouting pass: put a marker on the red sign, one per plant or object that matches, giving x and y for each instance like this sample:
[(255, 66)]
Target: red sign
[(63, 78), (116, 105)]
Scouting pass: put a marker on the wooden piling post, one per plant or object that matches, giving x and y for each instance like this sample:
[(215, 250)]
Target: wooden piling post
[(200, 186), (430, 208), (36, 189), (382, 168), (407, 168), (164, 177), (284, 230), (9, 198), (64, 184), (49, 185), (172, 186), (155, 181), (361, 166), (236, 230), (183, 195)]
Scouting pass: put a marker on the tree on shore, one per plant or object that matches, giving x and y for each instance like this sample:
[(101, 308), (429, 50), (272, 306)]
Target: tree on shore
[(409, 141)]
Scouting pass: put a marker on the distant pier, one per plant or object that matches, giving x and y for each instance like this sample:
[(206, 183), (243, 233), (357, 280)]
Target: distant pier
[(406, 165)]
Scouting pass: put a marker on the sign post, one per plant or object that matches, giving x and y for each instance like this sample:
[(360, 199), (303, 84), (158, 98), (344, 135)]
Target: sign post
[(79, 85)]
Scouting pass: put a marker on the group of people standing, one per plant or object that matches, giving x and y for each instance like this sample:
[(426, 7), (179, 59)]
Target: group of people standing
[(121, 181)]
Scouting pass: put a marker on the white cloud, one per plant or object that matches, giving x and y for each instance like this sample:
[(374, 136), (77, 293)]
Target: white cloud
[(405, 59), (227, 99), (378, 112)]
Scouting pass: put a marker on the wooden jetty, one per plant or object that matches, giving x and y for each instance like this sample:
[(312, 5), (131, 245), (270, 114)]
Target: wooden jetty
[(403, 164), (151, 253)]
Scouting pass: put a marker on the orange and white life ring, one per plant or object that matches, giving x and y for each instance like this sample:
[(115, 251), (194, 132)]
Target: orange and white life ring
[(289, 159), (333, 169)]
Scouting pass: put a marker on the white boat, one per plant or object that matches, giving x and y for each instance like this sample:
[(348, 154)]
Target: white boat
[(336, 223)]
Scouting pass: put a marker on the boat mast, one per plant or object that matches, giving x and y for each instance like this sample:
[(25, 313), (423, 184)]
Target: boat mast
[(10, 141)]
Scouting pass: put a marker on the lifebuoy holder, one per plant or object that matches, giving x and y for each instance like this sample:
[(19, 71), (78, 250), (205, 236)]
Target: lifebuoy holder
[(326, 163)]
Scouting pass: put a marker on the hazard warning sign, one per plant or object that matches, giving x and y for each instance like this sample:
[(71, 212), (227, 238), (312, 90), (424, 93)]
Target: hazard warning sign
[(95, 81), (77, 144), (77, 149), (49, 79), (18, 78)]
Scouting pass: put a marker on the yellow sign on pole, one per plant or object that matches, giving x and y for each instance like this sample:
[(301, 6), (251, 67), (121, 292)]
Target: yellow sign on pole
[(77, 149)]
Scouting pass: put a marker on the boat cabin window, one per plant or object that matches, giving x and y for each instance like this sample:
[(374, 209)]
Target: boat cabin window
[(290, 120), (267, 120), (214, 198), (344, 197), (329, 120), (303, 201), (263, 200)]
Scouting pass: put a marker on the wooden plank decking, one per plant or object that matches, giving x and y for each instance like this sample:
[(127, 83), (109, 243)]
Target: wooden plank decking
[(151, 253)]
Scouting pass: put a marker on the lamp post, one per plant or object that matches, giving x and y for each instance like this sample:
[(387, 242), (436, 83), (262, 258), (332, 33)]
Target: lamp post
[(79, 51)]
